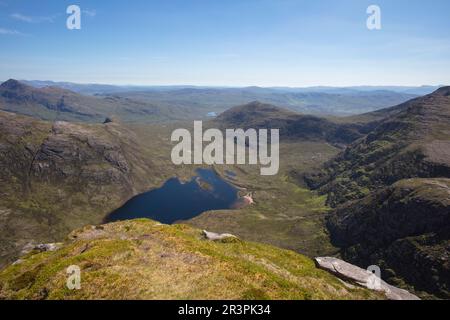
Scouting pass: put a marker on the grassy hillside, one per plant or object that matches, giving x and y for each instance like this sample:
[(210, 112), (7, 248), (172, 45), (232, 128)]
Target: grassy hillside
[(284, 213), (142, 259)]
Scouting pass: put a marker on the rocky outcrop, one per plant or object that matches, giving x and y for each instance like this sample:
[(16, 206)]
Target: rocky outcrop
[(42, 247), (365, 278), (61, 175), (404, 228), (76, 150)]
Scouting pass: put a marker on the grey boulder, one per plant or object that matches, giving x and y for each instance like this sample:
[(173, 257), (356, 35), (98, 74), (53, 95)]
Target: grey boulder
[(364, 278)]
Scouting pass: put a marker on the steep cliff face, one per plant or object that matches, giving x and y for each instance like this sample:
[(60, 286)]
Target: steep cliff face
[(57, 176), (414, 142), (383, 216), (404, 228), (142, 259)]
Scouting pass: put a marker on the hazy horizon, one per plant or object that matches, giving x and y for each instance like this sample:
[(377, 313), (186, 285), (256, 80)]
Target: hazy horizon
[(266, 43), (226, 86)]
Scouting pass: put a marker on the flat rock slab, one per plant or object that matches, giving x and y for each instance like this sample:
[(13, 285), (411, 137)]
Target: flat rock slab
[(216, 236), (364, 278)]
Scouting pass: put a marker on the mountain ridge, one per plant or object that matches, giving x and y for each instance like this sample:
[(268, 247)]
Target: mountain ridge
[(411, 143), (108, 88), (390, 191), (55, 103), (292, 125)]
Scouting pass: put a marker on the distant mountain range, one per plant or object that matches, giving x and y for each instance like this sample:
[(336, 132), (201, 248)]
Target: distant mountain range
[(55, 103), (199, 101), (388, 189), (107, 88), (317, 103)]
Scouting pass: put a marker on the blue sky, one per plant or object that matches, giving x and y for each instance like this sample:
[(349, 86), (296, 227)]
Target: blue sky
[(231, 43)]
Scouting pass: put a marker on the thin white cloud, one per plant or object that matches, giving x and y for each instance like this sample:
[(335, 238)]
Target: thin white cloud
[(90, 13), (10, 32), (21, 17), (30, 19)]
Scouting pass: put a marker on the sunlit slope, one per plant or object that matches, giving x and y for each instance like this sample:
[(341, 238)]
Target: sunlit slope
[(142, 259)]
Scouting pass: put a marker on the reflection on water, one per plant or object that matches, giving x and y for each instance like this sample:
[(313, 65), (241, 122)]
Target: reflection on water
[(180, 201)]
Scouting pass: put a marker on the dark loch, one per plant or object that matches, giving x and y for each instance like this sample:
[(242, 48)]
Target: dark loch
[(179, 201)]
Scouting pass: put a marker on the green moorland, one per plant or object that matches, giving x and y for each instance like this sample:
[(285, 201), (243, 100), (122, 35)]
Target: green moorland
[(284, 213), (142, 259), (59, 177)]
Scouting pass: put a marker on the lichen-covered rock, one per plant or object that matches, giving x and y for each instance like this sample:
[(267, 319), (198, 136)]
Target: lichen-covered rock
[(367, 279)]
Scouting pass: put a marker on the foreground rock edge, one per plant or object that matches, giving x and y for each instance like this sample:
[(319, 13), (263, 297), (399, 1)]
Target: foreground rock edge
[(364, 278)]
